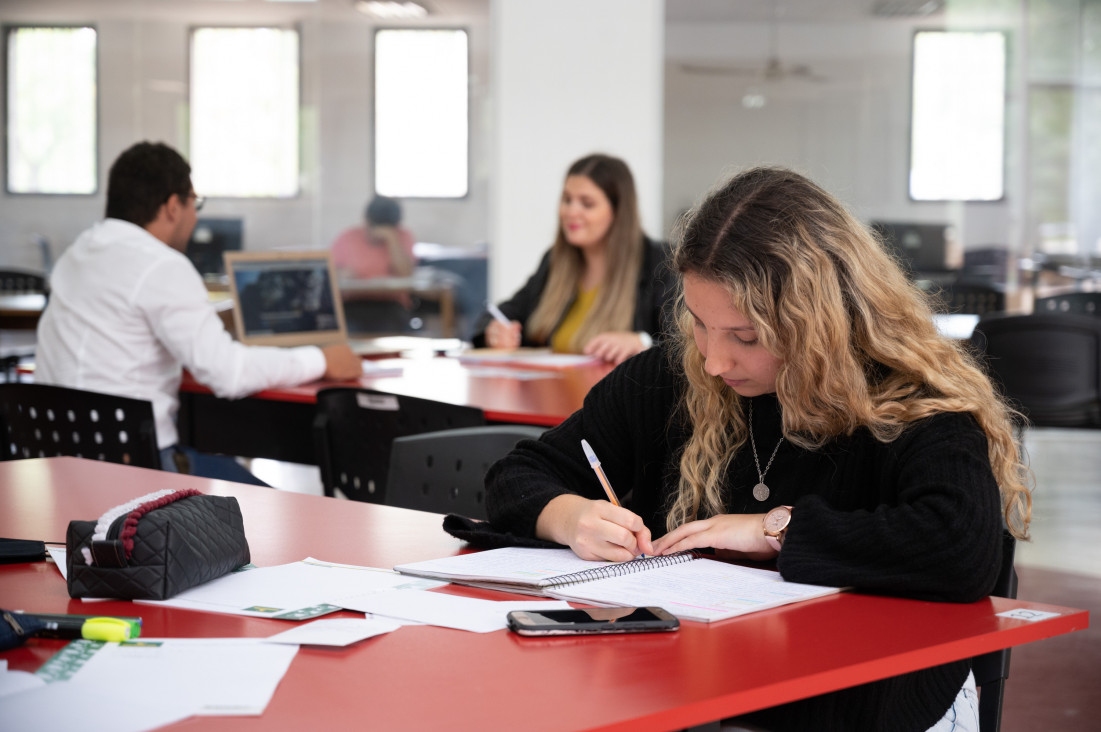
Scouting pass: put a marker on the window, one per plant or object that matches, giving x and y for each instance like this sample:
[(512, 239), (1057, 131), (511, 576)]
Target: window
[(957, 145), (51, 110), (244, 112), (421, 117)]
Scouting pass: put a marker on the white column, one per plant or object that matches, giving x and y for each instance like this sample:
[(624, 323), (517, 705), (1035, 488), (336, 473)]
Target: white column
[(570, 77)]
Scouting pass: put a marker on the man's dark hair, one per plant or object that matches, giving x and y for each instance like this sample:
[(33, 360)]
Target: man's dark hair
[(142, 178), (383, 211)]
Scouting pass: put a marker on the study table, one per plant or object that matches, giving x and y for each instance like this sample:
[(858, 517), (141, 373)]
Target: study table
[(276, 423), (427, 677)]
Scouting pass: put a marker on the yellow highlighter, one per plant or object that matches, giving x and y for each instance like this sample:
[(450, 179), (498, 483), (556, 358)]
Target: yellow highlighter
[(105, 629)]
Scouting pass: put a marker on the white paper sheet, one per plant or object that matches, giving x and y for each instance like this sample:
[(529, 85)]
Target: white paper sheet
[(13, 682), (219, 676), (97, 705), (335, 631), (297, 591), (448, 611)]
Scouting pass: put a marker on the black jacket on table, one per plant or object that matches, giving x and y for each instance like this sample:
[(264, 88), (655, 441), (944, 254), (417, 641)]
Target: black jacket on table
[(655, 287), (918, 517)]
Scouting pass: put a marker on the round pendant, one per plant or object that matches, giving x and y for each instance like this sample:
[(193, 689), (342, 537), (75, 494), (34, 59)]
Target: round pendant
[(760, 492)]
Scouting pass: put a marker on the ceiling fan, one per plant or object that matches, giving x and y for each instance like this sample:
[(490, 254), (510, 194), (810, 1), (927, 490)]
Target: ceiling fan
[(773, 70)]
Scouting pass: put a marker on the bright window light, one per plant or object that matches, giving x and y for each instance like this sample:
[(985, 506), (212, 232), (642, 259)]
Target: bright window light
[(421, 113), (244, 112), (51, 110), (957, 146)]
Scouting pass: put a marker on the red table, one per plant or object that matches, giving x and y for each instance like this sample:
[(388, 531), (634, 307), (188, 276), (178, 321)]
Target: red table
[(219, 425), (424, 677)]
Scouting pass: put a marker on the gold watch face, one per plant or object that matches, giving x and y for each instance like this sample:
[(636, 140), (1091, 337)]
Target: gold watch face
[(777, 520)]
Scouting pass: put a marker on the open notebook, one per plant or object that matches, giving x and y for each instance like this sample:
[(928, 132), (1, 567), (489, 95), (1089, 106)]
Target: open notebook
[(688, 585)]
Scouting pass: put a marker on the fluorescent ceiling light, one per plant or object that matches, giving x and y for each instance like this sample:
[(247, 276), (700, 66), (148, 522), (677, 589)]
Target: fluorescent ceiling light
[(391, 10)]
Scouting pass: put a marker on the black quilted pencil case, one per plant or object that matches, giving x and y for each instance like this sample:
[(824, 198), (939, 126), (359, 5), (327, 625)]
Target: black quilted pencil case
[(156, 546)]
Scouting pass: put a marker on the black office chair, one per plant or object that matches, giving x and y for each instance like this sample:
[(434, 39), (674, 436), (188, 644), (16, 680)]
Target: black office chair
[(39, 420), (22, 282), (1084, 303), (1049, 366), (444, 472), (353, 430), (992, 669), (975, 298)]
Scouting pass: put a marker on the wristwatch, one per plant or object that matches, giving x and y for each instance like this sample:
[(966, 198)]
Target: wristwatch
[(775, 525)]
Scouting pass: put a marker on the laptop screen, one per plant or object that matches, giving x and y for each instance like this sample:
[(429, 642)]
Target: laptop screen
[(285, 298)]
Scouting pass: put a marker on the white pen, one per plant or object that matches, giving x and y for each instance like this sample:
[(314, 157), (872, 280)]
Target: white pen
[(599, 472), (497, 314)]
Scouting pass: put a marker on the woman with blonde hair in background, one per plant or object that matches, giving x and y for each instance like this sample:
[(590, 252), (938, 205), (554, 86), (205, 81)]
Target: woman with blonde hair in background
[(601, 288), (807, 412)]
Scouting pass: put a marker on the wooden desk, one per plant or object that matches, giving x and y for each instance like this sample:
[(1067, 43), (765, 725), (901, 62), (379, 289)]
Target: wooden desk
[(21, 312), (425, 677), (277, 423)]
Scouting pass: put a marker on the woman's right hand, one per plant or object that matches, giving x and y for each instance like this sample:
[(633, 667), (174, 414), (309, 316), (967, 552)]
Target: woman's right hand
[(499, 335), (595, 530)]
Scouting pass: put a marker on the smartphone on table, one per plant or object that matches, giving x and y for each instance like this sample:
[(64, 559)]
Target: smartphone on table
[(592, 620)]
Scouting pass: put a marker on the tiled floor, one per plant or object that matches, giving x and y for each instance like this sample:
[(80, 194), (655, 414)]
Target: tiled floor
[(1053, 684)]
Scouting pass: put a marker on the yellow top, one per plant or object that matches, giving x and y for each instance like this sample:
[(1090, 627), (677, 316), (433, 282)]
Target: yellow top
[(575, 317)]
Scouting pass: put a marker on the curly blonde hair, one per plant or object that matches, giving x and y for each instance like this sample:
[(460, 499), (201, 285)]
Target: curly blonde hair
[(614, 308), (857, 339)]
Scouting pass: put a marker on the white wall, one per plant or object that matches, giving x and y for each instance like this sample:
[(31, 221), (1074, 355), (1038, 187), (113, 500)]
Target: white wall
[(849, 132), (570, 77), (143, 52)]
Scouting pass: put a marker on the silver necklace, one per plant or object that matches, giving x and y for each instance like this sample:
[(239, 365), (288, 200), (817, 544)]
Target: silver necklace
[(760, 491)]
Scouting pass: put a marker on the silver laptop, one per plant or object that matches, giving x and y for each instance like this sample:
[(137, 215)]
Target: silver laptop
[(285, 298)]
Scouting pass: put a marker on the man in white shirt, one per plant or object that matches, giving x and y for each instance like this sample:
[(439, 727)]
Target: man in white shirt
[(127, 311)]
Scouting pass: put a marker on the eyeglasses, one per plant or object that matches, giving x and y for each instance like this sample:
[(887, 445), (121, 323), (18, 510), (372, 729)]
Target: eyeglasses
[(199, 201)]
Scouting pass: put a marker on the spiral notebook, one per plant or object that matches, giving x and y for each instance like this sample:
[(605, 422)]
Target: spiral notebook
[(688, 585)]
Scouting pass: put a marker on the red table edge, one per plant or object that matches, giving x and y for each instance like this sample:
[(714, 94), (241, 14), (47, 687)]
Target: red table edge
[(743, 702)]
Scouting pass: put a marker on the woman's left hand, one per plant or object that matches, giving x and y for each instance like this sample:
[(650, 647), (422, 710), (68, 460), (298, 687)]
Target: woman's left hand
[(615, 347), (733, 535)]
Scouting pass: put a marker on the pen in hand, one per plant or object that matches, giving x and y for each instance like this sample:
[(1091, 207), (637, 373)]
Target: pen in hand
[(595, 463), (599, 472), (497, 314)]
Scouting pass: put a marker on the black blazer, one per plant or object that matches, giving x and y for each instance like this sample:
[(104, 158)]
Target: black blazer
[(655, 289)]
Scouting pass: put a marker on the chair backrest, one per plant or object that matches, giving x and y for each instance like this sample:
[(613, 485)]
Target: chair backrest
[(40, 420), (972, 297), (444, 472), (1049, 365), (992, 669), (353, 430), (1085, 303), (21, 282)]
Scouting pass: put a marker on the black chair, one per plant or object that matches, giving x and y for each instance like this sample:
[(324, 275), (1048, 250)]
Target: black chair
[(444, 472), (1049, 366), (975, 298), (22, 282), (992, 669), (39, 420), (353, 430), (1085, 303)]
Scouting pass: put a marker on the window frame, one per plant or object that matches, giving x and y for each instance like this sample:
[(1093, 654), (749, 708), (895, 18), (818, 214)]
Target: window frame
[(7, 29), (299, 152), (1007, 37), (373, 142)]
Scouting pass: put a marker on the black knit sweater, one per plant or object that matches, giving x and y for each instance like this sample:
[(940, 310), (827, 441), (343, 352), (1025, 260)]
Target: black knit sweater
[(918, 517)]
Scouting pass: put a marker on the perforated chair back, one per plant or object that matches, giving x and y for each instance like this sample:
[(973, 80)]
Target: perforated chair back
[(972, 297), (1083, 303), (353, 430), (992, 669), (39, 420), (444, 472), (21, 282), (1048, 365)]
